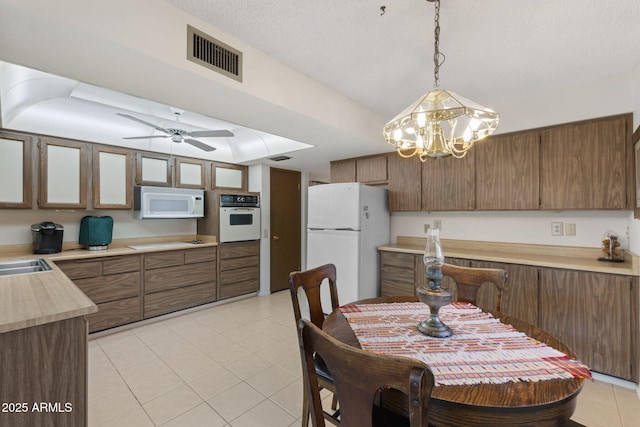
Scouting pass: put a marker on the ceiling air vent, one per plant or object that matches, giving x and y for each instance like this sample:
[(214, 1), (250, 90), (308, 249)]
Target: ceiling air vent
[(213, 54), (279, 158)]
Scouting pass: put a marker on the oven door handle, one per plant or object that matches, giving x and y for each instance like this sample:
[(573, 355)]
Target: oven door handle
[(243, 209)]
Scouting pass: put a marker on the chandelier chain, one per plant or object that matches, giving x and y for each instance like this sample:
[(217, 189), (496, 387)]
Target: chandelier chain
[(436, 50)]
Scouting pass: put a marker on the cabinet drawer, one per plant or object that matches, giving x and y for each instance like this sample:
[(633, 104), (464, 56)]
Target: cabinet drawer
[(399, 260), (235, 263), (115, 313), (200, 255), (163, 259), (162, 279), (238, 288), (236, 250), (110, 288), (239, 275), (81, 268), (120, 264), (178, 299)]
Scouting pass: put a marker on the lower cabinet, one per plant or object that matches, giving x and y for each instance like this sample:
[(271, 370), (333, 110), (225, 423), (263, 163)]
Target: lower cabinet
[(595, 314), (113, 283), (239, 268), (175, 280), (129, 288)]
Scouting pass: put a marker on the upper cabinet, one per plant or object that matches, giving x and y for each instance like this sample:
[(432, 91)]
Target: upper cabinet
[(448, 184), (112, 178), (190, 173), (154, 169), (370, 170), (63, 172), (227, 176), (405, 184), (15, 171), (508, 171), (583, 165)]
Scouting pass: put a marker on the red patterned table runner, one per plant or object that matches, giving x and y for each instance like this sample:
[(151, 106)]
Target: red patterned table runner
[(481, 350)]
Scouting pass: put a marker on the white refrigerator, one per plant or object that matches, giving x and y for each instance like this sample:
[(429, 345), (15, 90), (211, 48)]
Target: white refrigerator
[(346, 222)]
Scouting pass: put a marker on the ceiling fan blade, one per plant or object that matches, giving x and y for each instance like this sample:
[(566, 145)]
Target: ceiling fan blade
[(135, 119), (210, 133), (199, 144), (146, 137)]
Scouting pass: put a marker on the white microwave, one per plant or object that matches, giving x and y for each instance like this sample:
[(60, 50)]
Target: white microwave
[(164, 202)]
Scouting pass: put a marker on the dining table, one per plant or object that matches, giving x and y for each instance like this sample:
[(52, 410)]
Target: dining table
[(550, 402)]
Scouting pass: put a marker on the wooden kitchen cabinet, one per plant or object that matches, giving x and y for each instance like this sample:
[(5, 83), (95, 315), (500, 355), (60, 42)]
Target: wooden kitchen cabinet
[(15, 170), (63, 174), (405, 184), (372, 170), (343, 171), (112, 178), (584, 165), (154, 170), (239, 268), (228, 176), (45, 363), (114, 284), (507, 171), (398, 273), (178, 279), (448, 184), (595, 314), (190, 173)]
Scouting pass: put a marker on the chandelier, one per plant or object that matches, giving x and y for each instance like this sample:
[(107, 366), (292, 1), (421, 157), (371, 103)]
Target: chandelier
[(441, 122)]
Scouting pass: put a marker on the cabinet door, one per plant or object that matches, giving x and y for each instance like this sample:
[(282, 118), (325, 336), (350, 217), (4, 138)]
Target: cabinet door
[(229, 176), (343, 171), (15, 171), (448, 184), (112, 173), (154, 170), (63, 174), (592, 313), (507, 171), (405, 193), (190, 173), (372, 170), (397, 274), (583, 165), (520, 293)]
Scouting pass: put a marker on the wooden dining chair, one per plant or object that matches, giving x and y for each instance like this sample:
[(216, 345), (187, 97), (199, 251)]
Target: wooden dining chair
[(311, 282), (359, 376), (469, 280)]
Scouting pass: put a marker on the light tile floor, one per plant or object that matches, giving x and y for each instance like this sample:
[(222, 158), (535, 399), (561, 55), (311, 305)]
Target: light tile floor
[(236, 365)]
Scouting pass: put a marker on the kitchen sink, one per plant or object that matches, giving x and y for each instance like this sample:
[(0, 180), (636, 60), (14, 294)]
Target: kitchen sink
[(23, 266)]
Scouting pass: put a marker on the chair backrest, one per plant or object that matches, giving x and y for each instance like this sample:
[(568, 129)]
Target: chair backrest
[(468, 281), (359, 375), (311, 281)]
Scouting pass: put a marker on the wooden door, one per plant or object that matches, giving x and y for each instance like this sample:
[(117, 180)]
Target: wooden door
[(405, 193), (448, 183), (285, 226)]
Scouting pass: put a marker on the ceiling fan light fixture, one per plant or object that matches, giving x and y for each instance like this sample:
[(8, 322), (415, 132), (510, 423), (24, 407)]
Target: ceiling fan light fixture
[(439, 123)]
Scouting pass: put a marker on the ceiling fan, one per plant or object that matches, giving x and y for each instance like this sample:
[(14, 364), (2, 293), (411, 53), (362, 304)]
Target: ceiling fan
[(179, 135)]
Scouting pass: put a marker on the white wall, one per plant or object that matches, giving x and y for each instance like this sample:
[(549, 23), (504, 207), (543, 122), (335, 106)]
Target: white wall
[(260, 181), (15, 225)]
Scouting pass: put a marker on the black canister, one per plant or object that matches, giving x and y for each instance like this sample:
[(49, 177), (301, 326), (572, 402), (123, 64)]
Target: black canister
[(47, 237)]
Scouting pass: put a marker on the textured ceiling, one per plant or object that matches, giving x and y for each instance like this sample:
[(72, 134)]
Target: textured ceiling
[(494, 48)]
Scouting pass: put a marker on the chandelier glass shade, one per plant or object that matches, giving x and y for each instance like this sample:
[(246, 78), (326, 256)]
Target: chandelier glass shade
[(440, 123)]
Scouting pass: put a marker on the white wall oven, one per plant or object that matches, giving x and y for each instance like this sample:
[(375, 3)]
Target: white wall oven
[(239, 218)]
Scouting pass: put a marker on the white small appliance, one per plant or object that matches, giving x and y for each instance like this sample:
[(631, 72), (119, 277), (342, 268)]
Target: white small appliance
[(346, 224), (164, 202)]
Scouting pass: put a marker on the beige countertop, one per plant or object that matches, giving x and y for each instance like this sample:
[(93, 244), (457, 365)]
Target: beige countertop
[(33, 299), (571, 258)]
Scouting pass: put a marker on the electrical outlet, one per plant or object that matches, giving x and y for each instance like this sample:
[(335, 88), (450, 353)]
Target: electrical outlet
[(437, 224), (556, 229), (426, 228), (569, 229)]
